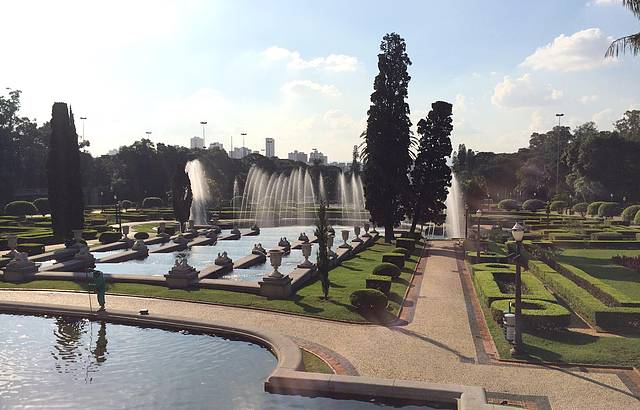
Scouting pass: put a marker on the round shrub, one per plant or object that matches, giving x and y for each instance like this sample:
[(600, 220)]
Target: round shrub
[(109, 237), (636, 219), (20, 208), (558, 206), (141, 235), (533, 205), (592, 209), (31, 248), (394, 258), (536, 314), (609, 209), (509, 205), (399, 250), (152, 202), (43, 205), (386, 269), (126, 204), (406, 243), (580, 207), (369, 299), (630, 212), (492, 266)]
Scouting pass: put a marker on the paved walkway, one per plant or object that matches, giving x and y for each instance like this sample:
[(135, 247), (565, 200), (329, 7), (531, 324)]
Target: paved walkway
[(437, 346)]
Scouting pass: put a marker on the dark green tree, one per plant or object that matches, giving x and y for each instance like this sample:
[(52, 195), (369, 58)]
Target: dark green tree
[(355, 164), (322, 233), (629, 125), (431, 176), (181, 194), (386, 157), (63, 173)]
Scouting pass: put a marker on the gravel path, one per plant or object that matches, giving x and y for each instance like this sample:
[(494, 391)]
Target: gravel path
[(437, 346)]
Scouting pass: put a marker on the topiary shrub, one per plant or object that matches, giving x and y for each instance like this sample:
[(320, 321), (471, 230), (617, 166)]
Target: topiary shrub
[(609, 209), (89, 234), (109, 237), (636, 219), (558, 206), (509, 205), (42, 204), (369, 299), (406, 243), (31, 248), (581, 208), (630, 212), (126, 204), (386, 269), (400, 250), (20, 208), (394, 258), (141, 235), (152, 202), (592, 209), (381, 283), (536, 314), (533, 205)]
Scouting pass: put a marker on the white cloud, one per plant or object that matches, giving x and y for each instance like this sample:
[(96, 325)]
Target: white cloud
[(586, 99), (583, 50), (308, 87), (537, 122), (603, 3), (524, 91), (332, 62), (604, 118)]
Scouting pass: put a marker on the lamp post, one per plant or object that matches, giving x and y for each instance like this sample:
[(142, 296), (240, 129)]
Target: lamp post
[(518, 234), (83, 118), (466, 221), (203, 123), (148, 134), (560, 115), (478, 215)]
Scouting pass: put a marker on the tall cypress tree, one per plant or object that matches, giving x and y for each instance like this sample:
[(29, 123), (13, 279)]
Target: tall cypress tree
[(386, 156), (63, 173), (431, 176), (182, 195)]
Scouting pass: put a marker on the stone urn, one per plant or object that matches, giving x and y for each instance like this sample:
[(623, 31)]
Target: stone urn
[(125, 231), (330, 252), (275, 257), (162, 228), (356, 230), (373, 230), (306, 252), (345, 236), (12, 242), (366, 231)]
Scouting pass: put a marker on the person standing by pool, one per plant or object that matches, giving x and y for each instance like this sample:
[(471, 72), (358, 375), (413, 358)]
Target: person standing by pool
[(100, 286)]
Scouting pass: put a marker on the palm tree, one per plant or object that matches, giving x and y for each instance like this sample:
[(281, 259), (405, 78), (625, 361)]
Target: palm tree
[(632, 42)]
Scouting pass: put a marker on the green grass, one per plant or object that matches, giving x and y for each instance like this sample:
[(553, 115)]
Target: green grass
[(597, 263), (313, 364), (308, 300)]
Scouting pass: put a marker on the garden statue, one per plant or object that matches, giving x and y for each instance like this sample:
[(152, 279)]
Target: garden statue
[(255, 228), (180, 240), (284, 243), (258, 249), (223, 259), (141, 248), (303, 237)]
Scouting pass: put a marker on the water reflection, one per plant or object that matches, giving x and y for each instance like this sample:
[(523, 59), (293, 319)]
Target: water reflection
[(68, 349), (100, 351)]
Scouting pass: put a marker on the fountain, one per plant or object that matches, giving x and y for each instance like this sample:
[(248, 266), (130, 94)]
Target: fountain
[(200, 190), (454, 222)]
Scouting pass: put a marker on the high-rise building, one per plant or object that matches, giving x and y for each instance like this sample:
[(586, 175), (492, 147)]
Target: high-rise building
[(239, 152), (318, 156), (270, 147), (217, 145), (298, 156), (197, 142)]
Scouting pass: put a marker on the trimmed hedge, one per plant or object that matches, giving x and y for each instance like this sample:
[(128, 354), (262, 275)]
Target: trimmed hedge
[(141, 235), (20, 208), (386, 269), (580, 207), (152, 202), (564, 236), (406, 243), (42, 204), (126, 204), (109, 237), (400, 250), (630, 212), (369, 299), (31, 248), (533, 205), (394, 258), (558, 206), (636, 220), (607, 236), (592, 209), (608, 209), (494, 267), (489, 291), (509, 205), (536, 314), (381, 283)]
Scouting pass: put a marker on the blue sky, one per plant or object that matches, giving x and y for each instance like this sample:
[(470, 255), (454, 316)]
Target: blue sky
[(302, 71)]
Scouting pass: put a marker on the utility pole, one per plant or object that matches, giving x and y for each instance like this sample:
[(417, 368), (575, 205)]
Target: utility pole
[(203, 123), (83, 118), (560, 115), (148, 134)]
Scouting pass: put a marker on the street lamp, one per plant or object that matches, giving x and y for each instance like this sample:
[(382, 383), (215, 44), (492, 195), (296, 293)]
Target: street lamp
[(518, 234), (203, 123), (148, 134), (83, 118), (478, 215), (466, 220), (560, 115)]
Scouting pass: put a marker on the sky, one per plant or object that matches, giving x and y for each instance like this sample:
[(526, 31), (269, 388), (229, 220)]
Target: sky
[(302, 72)]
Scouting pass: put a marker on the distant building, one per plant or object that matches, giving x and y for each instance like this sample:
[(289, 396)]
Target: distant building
[(344, 166), (298, 156), (270, 147), (239, 152), (217, 145), (197, 142), (317, 156)]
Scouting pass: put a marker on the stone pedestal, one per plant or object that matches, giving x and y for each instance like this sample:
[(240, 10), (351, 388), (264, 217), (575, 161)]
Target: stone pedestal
[(181, 276), (19, 269), (235, 231), (87, 259), (275, 288), (141, 248), (180, 240)]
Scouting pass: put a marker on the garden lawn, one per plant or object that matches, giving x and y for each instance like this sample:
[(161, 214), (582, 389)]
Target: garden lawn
[(597, 263), (570, 347), (308, 301), (314, 364)]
